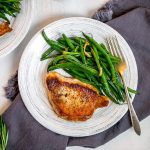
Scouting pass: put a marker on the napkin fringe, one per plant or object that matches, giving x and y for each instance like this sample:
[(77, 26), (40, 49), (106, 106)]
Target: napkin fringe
[(12, 89), (104, 14)]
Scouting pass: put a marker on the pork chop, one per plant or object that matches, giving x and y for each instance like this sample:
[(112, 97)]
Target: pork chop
[(72, 99), (4, 28)]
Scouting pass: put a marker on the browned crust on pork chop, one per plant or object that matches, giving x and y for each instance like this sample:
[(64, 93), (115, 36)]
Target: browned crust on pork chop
[(72, 99), (4, 28)]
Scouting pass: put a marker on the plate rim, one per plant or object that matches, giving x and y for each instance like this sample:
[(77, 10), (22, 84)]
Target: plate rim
[(33, 112), (4, 52)]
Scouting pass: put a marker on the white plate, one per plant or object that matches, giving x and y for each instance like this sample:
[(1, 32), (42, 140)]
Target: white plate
[(20, 26), (32, 72)]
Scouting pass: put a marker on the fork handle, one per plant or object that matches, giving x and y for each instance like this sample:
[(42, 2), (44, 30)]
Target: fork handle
[(134, 118)]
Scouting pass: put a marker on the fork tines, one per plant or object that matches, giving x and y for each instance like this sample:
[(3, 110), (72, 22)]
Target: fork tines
[(114, 47)]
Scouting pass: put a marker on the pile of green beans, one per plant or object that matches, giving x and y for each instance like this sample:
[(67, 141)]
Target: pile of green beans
[(9, 8), (88, 61)]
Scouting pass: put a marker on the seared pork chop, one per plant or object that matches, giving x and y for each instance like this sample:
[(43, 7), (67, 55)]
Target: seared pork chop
[(4, 28), (72, 99)]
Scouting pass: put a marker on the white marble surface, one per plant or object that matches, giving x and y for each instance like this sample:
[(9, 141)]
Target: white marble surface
[(47, 11)]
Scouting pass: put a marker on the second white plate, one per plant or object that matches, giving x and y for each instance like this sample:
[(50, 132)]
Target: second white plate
[(32, 73), (20, 26)]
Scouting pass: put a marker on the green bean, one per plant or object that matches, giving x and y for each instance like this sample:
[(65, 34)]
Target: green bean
[(59, 58), (71, 53), (49, 56), (129, 89), (7, 1), (101, 74), (117, 91), (105, 61), (121, 92), (110, 55), (8, 11), (83, 58), (49, 65), (76, 72), (113, 86), (99, 85), (78, 39), (67, 65), (92, 41), (68, 41), (79, 78), (76, 65), (46, 54), (66, 57), (105, 83), (94, 80), (10, 8), (119, 84), (112, 98), (55, 45), (13, 8), (62, 40), (96, 57), (115, 94), (91, 62), (4, 17), (85, 68), (105, 69), (74, 42), (82, 53), (104, 47), (76, 49), (114, 59), (88, 76)]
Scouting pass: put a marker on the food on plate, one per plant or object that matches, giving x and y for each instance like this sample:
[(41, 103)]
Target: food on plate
[(8, 8), (4, 28), (72, 99), (88, 61)]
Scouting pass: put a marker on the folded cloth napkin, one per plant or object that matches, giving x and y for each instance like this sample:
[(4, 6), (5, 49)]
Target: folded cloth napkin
[(132, 20)]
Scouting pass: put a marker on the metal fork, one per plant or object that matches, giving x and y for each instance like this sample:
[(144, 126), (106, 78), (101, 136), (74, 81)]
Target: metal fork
[(115, 49)]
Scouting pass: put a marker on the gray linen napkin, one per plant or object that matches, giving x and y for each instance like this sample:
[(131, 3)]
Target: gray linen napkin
[(132, 20)]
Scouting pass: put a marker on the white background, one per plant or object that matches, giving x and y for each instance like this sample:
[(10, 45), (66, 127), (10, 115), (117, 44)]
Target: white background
[(45, 12)]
